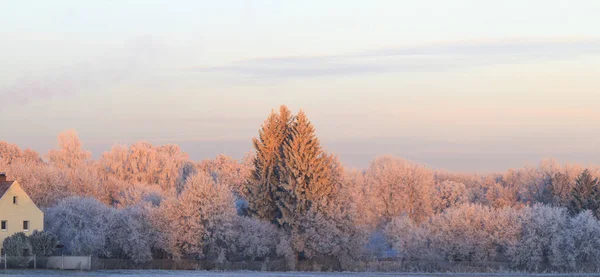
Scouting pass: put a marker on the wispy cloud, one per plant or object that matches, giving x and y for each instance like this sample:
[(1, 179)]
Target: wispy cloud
[(434, 57), (112, 68)]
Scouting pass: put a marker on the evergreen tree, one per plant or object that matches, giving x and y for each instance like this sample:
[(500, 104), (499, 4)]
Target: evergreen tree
[(560, 188), (306, 173), (292, 183), (585, 195), (265, 175)]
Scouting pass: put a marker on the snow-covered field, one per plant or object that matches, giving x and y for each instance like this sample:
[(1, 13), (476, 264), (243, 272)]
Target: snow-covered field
[(182, 273)]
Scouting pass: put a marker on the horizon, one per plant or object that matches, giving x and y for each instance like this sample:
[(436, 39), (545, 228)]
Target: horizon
[(217, 147), (484, 89)]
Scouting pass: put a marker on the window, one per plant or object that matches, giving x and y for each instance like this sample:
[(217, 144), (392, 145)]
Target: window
[(26, 225), (3, 225), (14, 200)]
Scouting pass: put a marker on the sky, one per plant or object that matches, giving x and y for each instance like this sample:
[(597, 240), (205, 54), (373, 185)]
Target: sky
[(473, 86)]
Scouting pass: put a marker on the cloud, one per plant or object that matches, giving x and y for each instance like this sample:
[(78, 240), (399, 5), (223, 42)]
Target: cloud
[(533, 47), (134, 58), (425, 58)]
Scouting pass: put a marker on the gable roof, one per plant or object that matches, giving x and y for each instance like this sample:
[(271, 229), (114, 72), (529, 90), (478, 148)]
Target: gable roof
[(4, 186)]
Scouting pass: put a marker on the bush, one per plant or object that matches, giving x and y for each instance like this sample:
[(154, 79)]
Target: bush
[(42, 243), (18, 247)]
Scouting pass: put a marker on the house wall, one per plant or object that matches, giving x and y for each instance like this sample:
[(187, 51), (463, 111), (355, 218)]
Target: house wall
[(15, 214)]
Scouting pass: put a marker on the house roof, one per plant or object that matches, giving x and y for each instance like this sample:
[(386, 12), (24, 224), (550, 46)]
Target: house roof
[(4, 186)]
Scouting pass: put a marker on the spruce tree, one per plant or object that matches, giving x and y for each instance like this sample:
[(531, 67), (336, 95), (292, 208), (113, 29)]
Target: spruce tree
[(585, 194), (265, 176), (305, 173)]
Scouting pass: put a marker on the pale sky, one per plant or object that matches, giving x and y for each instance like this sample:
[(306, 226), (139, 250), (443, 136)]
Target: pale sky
[(459, 85)]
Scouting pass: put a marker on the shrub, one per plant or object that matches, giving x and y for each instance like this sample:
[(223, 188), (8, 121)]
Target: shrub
[(42, 243)]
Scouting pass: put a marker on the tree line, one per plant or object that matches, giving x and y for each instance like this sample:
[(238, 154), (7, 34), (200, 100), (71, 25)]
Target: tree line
[(289, 199)]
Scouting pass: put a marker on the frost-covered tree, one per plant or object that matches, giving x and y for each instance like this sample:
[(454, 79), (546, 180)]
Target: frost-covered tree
[(11, 156), (448, 194), (145, 163), (408, 240), (542, 242), (135, 194), (131, 234), (252, 239), (472, 232), (584, 239), (561, 187), (30, 156), (499, 196), (401, 187), (328, 233), (265, 175), (585, 194), (305, 173), (359, 199), (562, 183), (9, 152), (70, 153), (228, 171), (85, 181), (194, 224), (81, 225), (42, 243), (187, 169), (170, 160), (338, 227), (45, 184), (293, 185)]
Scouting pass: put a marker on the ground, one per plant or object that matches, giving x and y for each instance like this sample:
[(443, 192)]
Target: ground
[(182, 273)]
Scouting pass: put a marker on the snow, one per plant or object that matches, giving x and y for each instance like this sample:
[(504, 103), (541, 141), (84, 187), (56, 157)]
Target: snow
[(185, 273)]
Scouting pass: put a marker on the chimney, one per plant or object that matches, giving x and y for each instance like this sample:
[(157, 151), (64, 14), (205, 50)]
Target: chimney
[(2, 177)]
